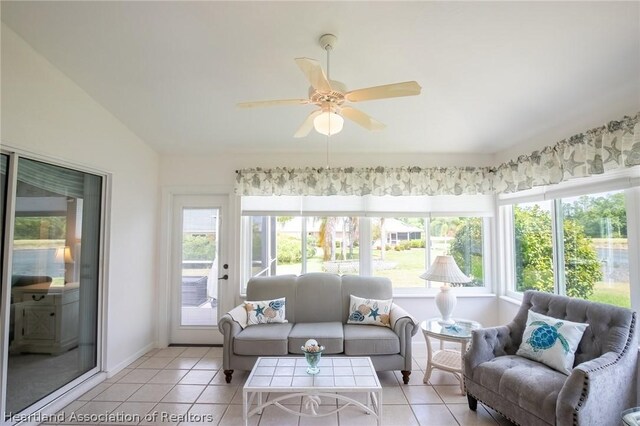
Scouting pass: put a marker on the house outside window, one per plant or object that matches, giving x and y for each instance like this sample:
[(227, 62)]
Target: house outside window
[(279, 240)]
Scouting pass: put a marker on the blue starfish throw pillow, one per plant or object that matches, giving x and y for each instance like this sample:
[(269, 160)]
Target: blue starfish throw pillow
[(369, 311), (551, 341), (265, 311)]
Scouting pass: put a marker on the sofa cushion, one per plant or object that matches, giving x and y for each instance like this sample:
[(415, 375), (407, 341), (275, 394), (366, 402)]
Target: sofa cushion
[(262, 340), (318, 298), (524, 382), (370, 340), (328, 334)]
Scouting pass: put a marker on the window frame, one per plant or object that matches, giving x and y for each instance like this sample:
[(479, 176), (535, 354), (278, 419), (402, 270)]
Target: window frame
[(366, 253), (628, 183)]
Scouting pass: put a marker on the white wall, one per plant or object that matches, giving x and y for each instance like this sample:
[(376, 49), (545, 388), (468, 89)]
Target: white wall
[(46, 113), (219, 170)]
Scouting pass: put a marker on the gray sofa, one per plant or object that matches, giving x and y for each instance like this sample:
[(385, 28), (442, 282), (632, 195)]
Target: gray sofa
[(601, 385), (317, 306)]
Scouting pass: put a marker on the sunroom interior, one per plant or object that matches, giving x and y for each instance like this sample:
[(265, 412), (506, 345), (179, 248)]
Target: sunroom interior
[(99, 106)]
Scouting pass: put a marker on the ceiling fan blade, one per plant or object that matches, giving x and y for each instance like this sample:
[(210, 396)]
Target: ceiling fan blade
[(361, 118), (255, 104), (307, 125), (315, 74), (408, 88)]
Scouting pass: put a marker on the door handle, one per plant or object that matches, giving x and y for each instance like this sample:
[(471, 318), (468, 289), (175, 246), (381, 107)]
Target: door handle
[(224, 277)]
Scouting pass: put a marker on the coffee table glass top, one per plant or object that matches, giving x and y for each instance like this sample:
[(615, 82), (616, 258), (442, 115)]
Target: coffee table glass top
[(335, 373), (461, 328)]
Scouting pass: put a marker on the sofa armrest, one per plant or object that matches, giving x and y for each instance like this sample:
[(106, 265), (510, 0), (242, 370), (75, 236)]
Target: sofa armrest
[(230, 325), (597, 391), (486, 344), (400, 320)]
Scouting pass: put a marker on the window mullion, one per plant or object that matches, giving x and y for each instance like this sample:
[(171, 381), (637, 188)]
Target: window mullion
[(365, 247), (557, 233), (303, 249)]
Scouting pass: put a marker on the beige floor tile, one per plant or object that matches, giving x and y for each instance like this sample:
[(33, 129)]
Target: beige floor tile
[(274, 416), (169, 376), (151, 392), (152, 352), (439, 377), (166, 414), (451, 394), (434, 415), (218, 395), (69, 409), (184, 393), (93, 412), (98, 389), (181, 363), (466, 417), (137, 362), (327, 420), (195, 352), (355, 416), (139, 375), (421, 395), (398, 415), (131, 412), (238, 378), (155, 362), (198, 377), (393, 396), (170, 352), (233, 417), (201, 414), (387, 378), (498, 417), (118, 392), (118, 375), (209, 364), (214, 353)]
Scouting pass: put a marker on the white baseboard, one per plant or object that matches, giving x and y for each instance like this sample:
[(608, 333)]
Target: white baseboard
[(121, 366)]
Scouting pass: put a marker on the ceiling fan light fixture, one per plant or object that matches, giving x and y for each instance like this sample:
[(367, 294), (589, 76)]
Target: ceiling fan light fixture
[(328, 123)]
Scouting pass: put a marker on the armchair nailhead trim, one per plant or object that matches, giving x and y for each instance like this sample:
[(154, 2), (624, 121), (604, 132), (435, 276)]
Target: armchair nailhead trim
[(624, 351)]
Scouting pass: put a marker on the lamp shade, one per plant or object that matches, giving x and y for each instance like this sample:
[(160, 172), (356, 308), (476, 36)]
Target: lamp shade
[(64, 255), (328, 123), (445, 270)]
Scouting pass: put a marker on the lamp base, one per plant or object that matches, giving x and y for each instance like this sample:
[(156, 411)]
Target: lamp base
[(446, 321), (446, 301)]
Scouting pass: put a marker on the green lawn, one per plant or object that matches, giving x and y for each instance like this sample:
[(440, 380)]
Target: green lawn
[(614, 294)]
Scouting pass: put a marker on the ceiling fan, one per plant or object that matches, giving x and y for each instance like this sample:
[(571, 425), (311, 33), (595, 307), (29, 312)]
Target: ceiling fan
[(330, 96)]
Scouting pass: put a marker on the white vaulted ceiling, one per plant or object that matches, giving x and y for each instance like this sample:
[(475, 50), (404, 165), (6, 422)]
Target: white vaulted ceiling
[(493, 75)]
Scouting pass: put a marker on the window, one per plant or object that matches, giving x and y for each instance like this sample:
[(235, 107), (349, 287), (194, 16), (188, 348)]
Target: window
[(296, 245), (584, 237), (400, 248)]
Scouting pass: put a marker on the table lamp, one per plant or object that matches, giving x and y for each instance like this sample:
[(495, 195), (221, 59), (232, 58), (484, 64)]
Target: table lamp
[(444, 269)]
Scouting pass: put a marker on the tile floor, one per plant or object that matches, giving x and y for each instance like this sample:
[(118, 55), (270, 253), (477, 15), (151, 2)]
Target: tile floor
[(189, 382)]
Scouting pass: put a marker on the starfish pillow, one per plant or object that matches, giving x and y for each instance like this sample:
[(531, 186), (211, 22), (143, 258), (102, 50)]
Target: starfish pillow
[(369, 311)]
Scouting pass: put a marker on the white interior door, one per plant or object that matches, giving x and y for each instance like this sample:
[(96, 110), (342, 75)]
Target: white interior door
[(199, 268)]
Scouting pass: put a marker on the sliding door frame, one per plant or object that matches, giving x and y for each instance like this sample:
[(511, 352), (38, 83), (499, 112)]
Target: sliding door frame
[(48, 405)]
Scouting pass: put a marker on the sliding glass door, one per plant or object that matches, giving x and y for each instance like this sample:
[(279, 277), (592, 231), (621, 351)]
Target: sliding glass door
[(53, 280)]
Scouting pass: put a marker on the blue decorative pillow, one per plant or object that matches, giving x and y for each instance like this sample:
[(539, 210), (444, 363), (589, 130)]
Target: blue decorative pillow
[(369, 311), (265, 311), (551, 341)]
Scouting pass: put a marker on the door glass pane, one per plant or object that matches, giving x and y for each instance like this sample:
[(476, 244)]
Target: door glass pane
[(398, 250), (533, 246), (596, 248), (54, 282), (200, 245)]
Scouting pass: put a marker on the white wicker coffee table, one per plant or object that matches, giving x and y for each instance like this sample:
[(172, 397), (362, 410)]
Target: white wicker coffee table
[(340, 378)]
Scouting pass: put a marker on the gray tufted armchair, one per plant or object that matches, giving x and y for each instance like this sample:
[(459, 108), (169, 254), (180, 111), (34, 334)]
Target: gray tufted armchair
[(601, 385)]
